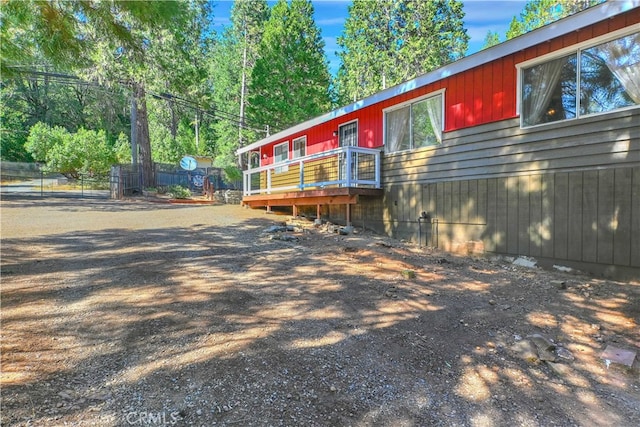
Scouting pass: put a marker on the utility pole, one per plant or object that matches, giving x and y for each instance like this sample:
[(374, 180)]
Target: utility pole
[(197, 134)]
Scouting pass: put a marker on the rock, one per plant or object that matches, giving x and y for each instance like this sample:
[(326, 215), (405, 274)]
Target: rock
[(542, 342), (525, 262), (620, 356), (559, 369), (563, 269), (526, 350), (560, 284), (547, 356), (346, 230), (65, 395), (564, 354), (283, 237), (276, 229)]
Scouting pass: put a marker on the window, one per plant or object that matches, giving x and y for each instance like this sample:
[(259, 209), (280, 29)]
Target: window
[(281, 154), (299, 147), (414, 125), (348, 135), (595, 79)]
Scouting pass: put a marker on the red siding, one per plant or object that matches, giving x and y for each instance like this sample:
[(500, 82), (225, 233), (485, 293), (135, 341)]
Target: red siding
[(483, 94)]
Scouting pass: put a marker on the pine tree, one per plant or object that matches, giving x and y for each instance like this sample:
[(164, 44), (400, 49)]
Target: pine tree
[(290, 81), (537, 13), (390, 41), (491, 39), (230, 69)]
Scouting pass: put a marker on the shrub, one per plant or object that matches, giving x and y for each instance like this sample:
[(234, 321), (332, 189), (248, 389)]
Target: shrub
[(179, 192)]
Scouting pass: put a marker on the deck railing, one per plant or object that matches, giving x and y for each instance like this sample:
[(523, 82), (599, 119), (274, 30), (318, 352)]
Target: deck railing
[(340, 167)]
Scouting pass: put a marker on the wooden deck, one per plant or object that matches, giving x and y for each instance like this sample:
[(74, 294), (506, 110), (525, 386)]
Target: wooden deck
[(329, 196)]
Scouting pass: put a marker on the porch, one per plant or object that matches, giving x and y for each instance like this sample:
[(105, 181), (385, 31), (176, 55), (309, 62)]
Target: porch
[(335, 177)]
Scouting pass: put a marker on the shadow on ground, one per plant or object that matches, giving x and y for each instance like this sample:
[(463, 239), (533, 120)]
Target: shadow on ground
[(207, 320)]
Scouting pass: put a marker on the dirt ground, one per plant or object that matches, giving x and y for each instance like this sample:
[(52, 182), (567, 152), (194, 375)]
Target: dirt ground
[(119, 313)]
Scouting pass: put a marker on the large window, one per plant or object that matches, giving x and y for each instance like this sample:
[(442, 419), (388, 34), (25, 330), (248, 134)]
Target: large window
[(299, 147), (414, 125), (281, 154), (595, 79)]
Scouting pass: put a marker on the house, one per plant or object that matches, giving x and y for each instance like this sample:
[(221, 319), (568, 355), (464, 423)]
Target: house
[(528, 148)]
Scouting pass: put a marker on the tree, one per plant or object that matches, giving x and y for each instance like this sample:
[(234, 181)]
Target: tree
[(108, 41), (491, 39), (290, 81), (230, 71), (537, 13), (390, 41), (71, 154)]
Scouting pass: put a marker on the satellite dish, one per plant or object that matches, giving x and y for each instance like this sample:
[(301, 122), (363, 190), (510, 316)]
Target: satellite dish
[(188, 163)]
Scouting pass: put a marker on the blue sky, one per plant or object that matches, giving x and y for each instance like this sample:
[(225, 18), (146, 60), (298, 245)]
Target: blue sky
[(480, 17)]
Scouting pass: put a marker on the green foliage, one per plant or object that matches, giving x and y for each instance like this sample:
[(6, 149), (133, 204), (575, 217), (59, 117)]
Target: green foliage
[(491, 39), (178, 192), (12, 135), (65, 32), (122, 149), (290, 81), (85, 152), (537, 13), (387, 42), (232, 174), (230, 70)]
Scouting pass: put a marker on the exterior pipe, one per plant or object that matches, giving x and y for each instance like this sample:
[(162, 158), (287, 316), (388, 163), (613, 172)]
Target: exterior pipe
[(426, 218)]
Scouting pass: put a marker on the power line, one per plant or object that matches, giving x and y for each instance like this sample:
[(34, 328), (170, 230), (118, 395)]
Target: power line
[(72, 80)]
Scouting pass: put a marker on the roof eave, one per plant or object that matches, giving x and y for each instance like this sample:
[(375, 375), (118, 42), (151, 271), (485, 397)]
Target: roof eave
[(567, 25)]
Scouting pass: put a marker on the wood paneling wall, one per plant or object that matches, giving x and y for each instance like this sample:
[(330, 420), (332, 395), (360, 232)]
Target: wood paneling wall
[(568, 193)]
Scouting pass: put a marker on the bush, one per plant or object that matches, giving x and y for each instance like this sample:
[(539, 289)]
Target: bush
[(179, 192)]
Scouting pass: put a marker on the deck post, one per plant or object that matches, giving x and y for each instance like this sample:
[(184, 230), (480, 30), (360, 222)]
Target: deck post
[(348, 215), (295, 211)]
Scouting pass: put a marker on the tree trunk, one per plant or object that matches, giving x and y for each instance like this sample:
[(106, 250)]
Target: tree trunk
[(144, 144)]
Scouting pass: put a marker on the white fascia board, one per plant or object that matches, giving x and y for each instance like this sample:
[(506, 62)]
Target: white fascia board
[(556, 29)]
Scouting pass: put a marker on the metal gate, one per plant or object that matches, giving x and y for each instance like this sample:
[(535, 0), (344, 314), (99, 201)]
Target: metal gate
[(29, 179)]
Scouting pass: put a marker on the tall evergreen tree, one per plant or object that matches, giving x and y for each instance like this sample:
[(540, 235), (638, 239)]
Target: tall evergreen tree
[(290, 81), (537, 13), (230, 71), (390, 41), (491, 39)]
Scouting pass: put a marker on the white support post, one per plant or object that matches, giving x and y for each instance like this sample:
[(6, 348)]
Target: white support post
[(377, 166), (301, 175), (348, 167)]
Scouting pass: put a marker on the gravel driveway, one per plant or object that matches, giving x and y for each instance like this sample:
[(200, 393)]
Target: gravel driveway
[(119, 313)]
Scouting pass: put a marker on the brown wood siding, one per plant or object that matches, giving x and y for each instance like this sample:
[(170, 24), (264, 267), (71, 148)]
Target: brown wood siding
[(567, 192), (503, 149), (588, 218)]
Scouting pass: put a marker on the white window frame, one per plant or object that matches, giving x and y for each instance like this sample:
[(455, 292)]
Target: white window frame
[(278, 161), (440, 92), (577, 49), (294, 153), (350, 122)]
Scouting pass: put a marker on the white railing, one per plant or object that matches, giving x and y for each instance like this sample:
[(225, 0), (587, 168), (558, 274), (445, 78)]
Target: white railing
[(340, 167)]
